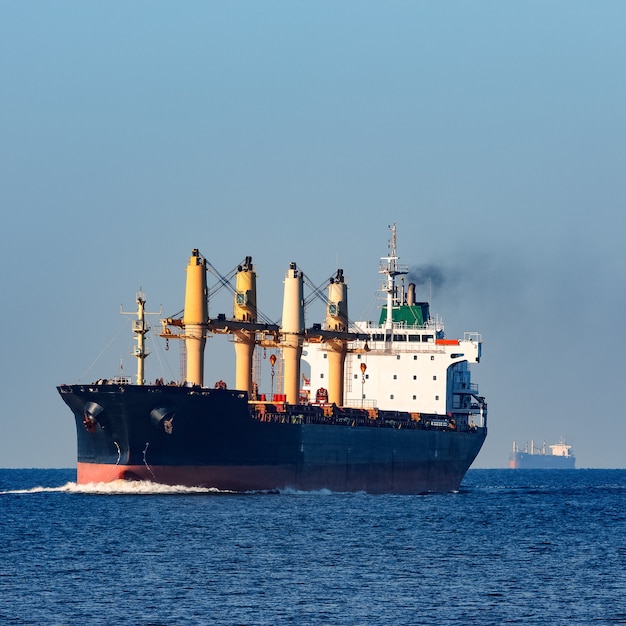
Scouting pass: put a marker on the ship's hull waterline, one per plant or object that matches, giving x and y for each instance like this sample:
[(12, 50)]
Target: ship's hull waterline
[(209, 438)]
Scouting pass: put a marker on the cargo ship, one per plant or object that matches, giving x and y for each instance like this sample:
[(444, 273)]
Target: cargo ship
[(556, 456), (384, 406)]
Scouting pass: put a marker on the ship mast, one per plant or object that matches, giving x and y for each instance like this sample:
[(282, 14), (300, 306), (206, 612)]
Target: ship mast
[(140, 328), (292, 331), (391, 268), (337, 322), (195, 317), (245, 310)]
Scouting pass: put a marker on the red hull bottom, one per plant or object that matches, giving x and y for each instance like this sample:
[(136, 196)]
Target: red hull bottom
[(263, 478)]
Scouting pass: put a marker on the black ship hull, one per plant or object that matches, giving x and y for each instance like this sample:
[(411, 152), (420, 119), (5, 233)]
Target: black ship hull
[(212, 438)]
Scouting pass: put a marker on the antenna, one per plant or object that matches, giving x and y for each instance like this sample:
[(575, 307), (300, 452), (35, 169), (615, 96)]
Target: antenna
[(140, 328), (391, 268)]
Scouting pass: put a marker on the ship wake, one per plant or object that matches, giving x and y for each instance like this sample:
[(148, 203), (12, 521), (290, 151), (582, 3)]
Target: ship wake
[(120, 487), (146, 487)]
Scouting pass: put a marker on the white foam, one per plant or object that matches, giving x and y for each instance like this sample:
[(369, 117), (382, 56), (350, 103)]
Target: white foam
[(119, 487), (290, 491), (146, 487)]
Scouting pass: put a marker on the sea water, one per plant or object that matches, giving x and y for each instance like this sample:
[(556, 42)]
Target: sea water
[(511, 547)]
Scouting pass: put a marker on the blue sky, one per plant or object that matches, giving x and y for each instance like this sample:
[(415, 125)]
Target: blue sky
[(492, 133)]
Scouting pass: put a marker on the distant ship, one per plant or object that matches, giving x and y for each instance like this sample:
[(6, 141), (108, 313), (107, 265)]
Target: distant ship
[(383, 406), (556, 456)]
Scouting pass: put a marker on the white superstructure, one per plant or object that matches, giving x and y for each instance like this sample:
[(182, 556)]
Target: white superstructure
[(403, 362)]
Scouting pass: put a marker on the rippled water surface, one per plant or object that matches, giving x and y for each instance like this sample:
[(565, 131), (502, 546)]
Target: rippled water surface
[(513, 547)]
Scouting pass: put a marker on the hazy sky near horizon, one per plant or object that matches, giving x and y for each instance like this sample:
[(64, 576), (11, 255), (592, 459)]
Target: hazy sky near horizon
[(492, 133)]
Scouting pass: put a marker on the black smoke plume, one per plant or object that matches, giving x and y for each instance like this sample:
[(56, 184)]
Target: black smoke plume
[(428, 275)]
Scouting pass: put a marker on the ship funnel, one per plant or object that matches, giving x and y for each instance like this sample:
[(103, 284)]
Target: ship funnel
[(337, 320), (245, 311), (292, 330), (195, 317), (410, 298)]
